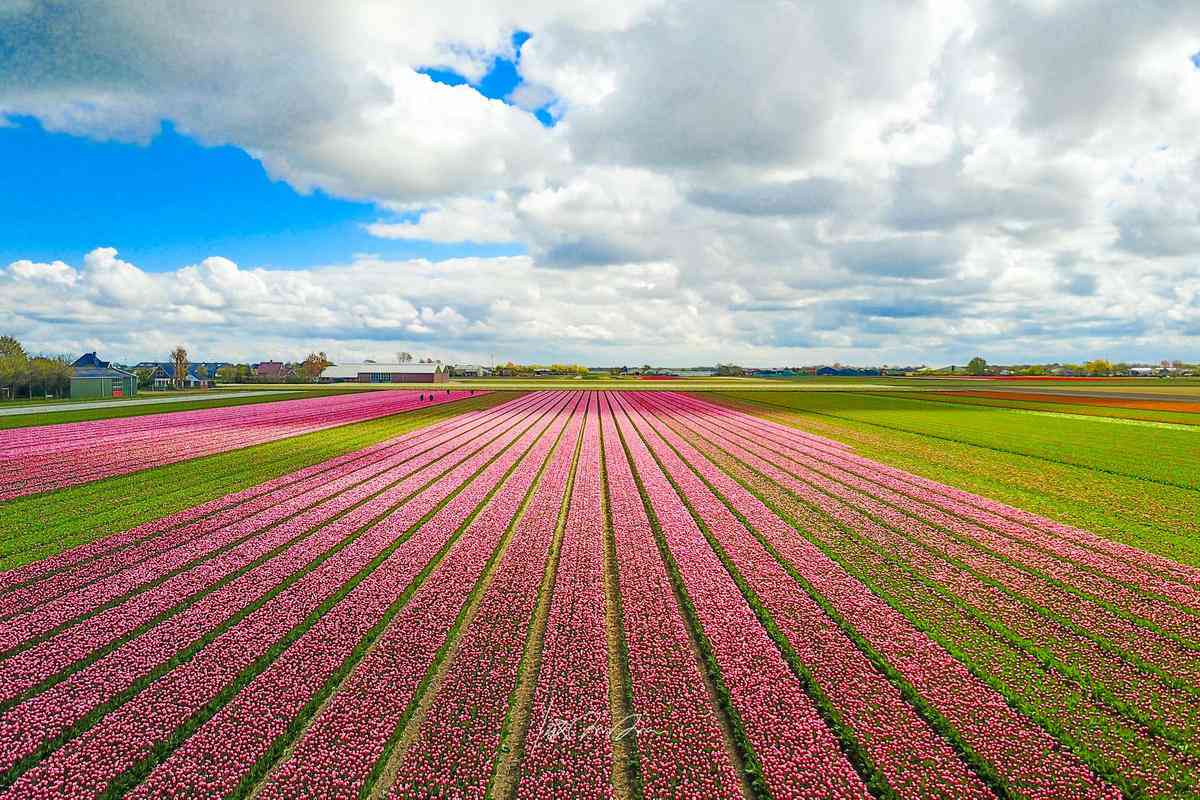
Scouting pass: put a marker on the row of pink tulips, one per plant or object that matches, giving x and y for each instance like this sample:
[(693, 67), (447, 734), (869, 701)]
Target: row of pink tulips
[(800, 756), (68, 436), (914, 759), (1115, 746), (114, 553), (29, 574), (1043, 573), (87, 764), (48, 714), (568, 747), (337, 753), (1054, 533), (222, 752), (59, 456), (680, 743), (933, 552), (1118, 561), (345, 491), (454, 750), (1026, 756), (26, 669), (999, 596)]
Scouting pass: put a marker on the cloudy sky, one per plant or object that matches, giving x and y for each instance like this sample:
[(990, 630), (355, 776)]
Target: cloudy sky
[(609, 181)]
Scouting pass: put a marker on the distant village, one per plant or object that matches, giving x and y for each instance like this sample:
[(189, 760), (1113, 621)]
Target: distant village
[(90, 376)]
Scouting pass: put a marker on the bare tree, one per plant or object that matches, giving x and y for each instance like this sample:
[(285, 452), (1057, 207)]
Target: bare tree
[(314, 365), (179, 358), (403, 358)]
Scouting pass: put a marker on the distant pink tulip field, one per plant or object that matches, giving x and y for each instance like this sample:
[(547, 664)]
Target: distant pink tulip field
[(51, 457), (582, 594)]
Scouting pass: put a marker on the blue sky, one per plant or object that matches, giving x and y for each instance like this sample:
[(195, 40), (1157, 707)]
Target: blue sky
[(174, 202)]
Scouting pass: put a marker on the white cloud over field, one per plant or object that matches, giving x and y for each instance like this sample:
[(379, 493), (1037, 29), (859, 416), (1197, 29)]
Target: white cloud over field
[(775, 182)]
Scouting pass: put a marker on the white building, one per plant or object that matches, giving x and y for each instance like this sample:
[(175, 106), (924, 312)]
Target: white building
[(469, 371)]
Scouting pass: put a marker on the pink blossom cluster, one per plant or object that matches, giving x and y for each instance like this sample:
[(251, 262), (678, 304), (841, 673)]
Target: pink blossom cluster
[(153, 714), (568, 748), (253, 535), (392, 621), (1077, 548), (344, 742), (50, 457), (800, 756), (454, 751), (1028, 757), (104, 557), (1137, 589), (1018, 599), (222, 752), (914, 759), (680, 743)]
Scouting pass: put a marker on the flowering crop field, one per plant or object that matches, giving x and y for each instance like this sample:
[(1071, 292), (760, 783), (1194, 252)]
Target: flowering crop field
[(597, 594), (49, 457)]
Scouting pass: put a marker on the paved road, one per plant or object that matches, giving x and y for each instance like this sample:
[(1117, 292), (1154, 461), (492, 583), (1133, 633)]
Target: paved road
[(48, 408)]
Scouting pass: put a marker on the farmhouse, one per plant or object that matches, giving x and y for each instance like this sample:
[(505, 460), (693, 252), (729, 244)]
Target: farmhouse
[(94, 379), (273, 370), (385, 373), (163, 375)]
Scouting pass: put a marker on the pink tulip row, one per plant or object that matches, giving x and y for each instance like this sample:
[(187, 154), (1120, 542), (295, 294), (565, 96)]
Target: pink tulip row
[(568, 747), (346, 491), (1021, 570), (932, 552), (222, 752), (1026, 757), (25, 670), (1120, 562), (680, 743), (800, 756), (336, 755), (922, 620), (1012, 561), (1140, 688), (67, 437), (48, 714), (1114, 744), (29, 574), (107, 556), (56, 456), (913, 758), (87, 764), (454, 751)]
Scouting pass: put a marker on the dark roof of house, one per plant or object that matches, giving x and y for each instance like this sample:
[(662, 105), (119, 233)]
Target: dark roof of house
[(90, 360), (101, 372)]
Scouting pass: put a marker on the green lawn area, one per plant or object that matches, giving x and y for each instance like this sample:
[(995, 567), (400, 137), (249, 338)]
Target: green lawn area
[(1064, 407), (39, 526), (1134, 483)]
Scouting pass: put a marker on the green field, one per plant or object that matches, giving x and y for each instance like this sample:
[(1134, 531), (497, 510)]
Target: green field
[(39, 526), (1063, 407), (1134, 482)]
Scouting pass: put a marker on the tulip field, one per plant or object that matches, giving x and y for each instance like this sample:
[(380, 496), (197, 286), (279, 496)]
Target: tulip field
[(45, 458), (582, 594)]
